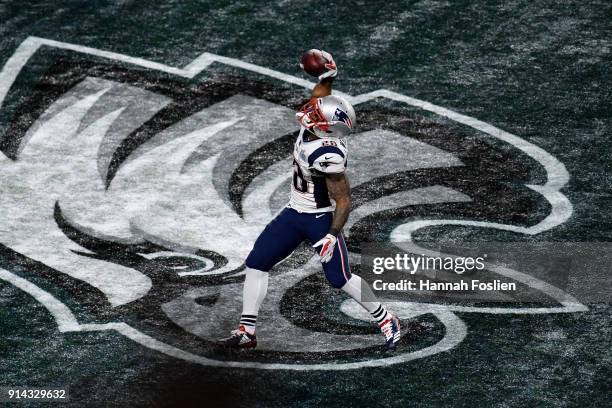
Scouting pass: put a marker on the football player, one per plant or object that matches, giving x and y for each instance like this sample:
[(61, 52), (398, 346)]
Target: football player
[(319, 206)]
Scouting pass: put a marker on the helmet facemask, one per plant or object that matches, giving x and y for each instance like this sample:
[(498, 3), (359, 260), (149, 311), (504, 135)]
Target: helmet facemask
[(311, 117)]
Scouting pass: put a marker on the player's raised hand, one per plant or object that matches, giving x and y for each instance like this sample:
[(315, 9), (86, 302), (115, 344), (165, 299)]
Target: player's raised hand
[(330, 66), (319, 64), (327, 244)]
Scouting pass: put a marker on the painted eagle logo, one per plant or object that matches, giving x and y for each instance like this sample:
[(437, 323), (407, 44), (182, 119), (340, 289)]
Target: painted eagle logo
[(136, 190)]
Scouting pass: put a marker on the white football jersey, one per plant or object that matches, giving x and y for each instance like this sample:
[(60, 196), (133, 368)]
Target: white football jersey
[(311, 161)]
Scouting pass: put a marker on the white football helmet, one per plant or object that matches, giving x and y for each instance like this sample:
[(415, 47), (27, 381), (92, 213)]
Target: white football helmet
[(328, 116)]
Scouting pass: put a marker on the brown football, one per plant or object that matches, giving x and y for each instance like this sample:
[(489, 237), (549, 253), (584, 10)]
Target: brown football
[(313, 62)]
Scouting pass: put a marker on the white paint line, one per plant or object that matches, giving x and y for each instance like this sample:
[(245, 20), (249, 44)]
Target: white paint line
[(60, 312), (15, 63), (111, 55)]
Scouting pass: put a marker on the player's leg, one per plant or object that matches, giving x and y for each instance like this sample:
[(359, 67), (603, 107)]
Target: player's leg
[(361, 292), (277, 241), (338, 273)]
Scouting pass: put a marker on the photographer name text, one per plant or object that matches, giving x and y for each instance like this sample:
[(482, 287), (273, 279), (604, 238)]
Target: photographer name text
[(427, 285)]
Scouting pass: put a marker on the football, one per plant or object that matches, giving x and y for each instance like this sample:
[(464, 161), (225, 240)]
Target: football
[(313, 62)]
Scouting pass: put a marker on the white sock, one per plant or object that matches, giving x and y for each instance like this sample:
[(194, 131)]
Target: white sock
[(253, 294), (359, 289)]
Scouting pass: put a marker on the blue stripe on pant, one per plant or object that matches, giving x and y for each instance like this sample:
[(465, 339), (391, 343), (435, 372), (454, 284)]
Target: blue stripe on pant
[(285, 232)]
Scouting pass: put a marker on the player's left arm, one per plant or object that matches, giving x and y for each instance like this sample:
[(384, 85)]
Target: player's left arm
[(340, 190)]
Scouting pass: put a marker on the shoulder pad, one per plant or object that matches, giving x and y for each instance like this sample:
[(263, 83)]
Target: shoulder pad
[(329, 158)]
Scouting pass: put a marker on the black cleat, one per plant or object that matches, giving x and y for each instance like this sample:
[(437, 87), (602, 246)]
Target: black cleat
[(239, 339)]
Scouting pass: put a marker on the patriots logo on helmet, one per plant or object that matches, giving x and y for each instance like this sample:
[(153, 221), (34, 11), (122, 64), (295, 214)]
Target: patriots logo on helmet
[(342, 116)]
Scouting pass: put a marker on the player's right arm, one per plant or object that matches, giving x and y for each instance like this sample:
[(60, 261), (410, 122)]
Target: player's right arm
[(324, 87)]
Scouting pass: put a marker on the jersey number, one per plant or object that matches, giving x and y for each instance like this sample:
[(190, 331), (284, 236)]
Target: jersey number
[(298, 178)]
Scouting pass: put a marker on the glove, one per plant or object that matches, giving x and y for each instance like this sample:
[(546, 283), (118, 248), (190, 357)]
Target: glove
[(327, 243), (332, 69)]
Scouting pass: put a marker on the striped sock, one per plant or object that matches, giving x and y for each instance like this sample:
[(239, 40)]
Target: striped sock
[(249, 322), (380, 314)]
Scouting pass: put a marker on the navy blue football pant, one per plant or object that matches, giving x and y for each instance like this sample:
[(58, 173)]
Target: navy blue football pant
[(285, 232)]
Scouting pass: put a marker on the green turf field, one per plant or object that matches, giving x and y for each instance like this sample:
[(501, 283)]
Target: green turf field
[(107, 190)]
